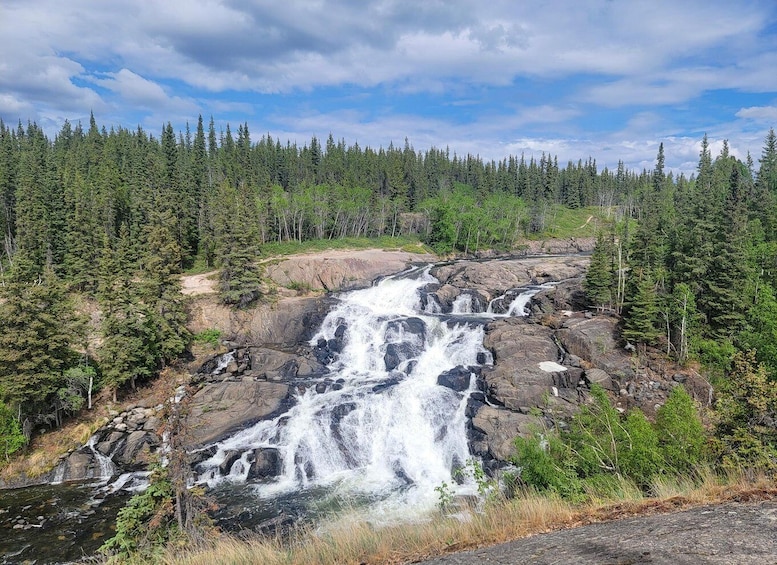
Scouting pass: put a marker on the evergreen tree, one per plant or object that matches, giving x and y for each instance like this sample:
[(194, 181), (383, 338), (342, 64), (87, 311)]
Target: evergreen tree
[(600, 277), (641, 318), (36, 344), (236, 245)]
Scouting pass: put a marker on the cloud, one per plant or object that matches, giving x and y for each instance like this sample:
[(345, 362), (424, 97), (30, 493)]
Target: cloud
[(759, 113)]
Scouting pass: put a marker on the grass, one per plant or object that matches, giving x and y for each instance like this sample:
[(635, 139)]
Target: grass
[(47, 448), (403, 243), (351, 541), (564, 223)]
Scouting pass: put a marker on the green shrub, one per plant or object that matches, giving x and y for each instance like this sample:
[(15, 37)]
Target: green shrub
[(605, 454), (12, 438), (146, 523), (547, 465), (211, 336), (680, 431), (640, 458)]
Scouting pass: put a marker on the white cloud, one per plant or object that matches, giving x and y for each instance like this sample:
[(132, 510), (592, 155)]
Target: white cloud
[(759, 113)]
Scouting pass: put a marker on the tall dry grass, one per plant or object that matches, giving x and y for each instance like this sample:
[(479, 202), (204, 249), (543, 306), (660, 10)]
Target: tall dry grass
[(350, 541)]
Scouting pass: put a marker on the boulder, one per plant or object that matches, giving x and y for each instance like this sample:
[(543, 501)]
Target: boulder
[(398, 353), (132, 453), (456, 379), (267, 463), (516, 380), (219, 409), (501, 427), (593, 340)]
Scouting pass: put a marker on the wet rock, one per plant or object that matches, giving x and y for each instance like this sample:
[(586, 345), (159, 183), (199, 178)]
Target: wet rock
[(398, 353), (219, 409), (230, 457), (267, 463), (456, 379)]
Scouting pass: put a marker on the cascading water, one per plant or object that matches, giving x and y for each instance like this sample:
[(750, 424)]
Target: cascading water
[(378, 428)]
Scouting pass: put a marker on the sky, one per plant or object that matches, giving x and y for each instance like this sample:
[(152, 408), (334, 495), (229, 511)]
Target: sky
[(609, 79)]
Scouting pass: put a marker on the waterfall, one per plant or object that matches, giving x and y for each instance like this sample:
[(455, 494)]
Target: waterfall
[(106, 468), (378, 427)]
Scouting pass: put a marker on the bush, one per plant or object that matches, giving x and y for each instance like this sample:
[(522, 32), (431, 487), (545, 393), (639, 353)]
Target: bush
[(211, 336), (547, 465), (12, 438), (603, 453), (146, 523), (681, 434)]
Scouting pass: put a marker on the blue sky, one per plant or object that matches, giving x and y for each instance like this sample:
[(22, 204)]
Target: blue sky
[(609, 79)]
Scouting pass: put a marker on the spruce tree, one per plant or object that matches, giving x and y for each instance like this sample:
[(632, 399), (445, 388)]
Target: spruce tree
[(641, 318), (600, 277), (36, 343), (236, 246)]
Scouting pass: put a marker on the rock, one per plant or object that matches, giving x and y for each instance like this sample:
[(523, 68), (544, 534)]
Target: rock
[(131, 453), (516, 379), (291, 321), (152, 424), (597, 376), (340, 270), (398, 353), (267, 464), (501, 427), (110, 442), (679, 378), (456, 379), (219, 409), (229, 459), (493, 278), (592, 339), (79, 465)]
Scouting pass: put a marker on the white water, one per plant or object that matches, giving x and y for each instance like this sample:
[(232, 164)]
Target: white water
[(389, 436), (107, 468)]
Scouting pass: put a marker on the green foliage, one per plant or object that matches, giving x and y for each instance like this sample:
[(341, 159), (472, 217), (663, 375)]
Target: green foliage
[(602, 451), (146, 523), (641, 322), (680, 431), (36, 343), (600, 277), (444, 496), (211, 336), (442, 229), (746, 410), (11, 437), (547, 464), (760, 334)]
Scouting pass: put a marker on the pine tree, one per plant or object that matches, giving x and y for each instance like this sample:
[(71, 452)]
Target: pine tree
[(36, 344), (130, 350), (236, 246), (600, 277), (641, 318)]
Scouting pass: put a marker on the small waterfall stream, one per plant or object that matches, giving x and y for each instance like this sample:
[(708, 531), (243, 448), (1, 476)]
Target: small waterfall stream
[(378, 428)]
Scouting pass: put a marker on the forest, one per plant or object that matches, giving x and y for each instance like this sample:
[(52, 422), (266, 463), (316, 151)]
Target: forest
[(111, 218)]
